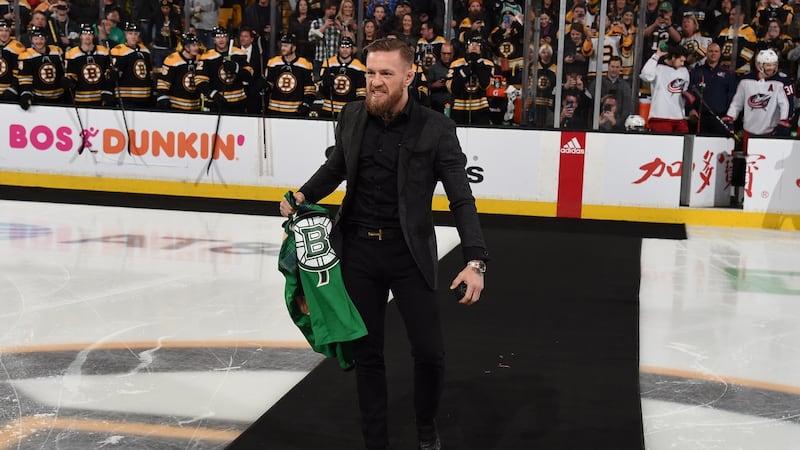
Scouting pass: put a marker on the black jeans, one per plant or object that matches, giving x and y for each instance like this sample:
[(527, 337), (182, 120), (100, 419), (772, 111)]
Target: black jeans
[(370, 269)]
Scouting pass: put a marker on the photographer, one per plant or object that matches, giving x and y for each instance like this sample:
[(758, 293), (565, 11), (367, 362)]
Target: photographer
[(570, 119), (661, 29), (325, 32), (610, 117)]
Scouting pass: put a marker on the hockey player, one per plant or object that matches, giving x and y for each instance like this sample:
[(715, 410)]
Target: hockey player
[(41, 72), (175, 86), (342, 79), (669, 81), (290, 82), (10, 50), (467, 81), (87, 71), (764, 96), (131, 67), (223, 74)]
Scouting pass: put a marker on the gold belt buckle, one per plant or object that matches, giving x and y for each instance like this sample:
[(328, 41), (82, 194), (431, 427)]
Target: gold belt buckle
[(378, 234)]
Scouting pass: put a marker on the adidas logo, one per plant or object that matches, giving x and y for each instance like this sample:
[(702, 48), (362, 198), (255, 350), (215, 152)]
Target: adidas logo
[(573, 147)]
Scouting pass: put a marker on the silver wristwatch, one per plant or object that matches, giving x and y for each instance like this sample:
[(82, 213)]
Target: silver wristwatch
[(478, 265)]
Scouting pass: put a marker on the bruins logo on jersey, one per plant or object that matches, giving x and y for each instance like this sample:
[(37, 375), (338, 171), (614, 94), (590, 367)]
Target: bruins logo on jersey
[(92, 72), (727, 49), (691, 46), (428, 60), (472, 86), (286, 82), (3, 67), (48, 73), (342, 85), (543, 82), (224, 76), (188, 82), (314, 251), (506, 49), (140, 69)]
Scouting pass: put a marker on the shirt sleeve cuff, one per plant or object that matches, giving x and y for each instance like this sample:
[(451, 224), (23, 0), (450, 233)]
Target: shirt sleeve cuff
[(471, 253)]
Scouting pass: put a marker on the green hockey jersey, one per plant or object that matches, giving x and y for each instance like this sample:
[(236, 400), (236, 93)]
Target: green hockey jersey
[(313, 274)]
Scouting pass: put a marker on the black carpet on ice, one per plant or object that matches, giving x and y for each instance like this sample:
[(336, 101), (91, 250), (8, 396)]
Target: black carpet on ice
[(548, 359)]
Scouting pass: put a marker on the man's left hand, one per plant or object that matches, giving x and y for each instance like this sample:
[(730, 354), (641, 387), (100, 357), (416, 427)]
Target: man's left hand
[(474, 281)]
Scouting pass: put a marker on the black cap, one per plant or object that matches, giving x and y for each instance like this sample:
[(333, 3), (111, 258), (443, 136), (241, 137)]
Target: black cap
[(189, 38), (130, 26), (346, 42), (36, 31), (219, 31), (288, 39), (4, 23)]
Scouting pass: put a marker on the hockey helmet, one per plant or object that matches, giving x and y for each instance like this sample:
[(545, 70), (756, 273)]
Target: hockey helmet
[(288, 39), (219, 31), (635, 122), (131, 26), (4, 23), (189, 38), (767, 56), (346, 42), (36, 31), (86, 28)]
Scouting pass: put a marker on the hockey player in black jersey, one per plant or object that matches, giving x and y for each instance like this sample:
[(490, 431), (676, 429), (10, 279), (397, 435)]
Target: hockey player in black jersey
[(290, 84), (342, 78), (176, 85), (131, 65), (223, 74), (88, 65), (41, 72), (10, 50)]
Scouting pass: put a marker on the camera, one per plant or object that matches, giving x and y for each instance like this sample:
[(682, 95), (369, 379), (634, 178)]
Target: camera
[(571, 104), (332, 17)]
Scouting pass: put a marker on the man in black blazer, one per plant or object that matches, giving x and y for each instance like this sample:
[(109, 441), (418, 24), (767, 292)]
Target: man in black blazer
[(256, 57), (392, 151)]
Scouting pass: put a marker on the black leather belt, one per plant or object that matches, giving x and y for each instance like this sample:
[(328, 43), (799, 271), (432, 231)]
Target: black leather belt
[(378, 234)]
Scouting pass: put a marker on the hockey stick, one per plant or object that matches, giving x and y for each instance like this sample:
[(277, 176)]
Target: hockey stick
[(718, 118), (124, 120), (219, 117), (80, 123)]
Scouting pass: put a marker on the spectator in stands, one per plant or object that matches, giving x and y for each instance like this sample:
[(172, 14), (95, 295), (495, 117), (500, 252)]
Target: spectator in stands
[(347, 17), (66, 29), (437, 76), (408, 30), (299, 26), (257, 16), (388, 7), (39, 20), (700, 10), (325, 33), (669, 81), (204, 17), (166, 30), (370, 30), (289, 80), (429, 46), (380, 16), (474, 24), (507, 46), (762, 97), (746, 43), (694, 42), (544, 88), (626, 31), (661, 30), (108, 33), (467, 81), (548, 31), (570, 118), (7, 13), (775, 39), (611, 118), (613, 84), (142, 15), (577, 50), (131, 68), (715, 85), (776, 10)]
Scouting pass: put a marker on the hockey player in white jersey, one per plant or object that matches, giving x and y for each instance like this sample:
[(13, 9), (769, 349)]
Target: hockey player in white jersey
[(669, 84), (764, 97)]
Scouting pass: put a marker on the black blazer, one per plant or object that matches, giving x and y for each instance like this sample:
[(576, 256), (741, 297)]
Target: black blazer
[(430, 152)]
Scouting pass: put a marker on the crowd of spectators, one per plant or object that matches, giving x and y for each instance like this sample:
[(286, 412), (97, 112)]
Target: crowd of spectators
[(471, 67)]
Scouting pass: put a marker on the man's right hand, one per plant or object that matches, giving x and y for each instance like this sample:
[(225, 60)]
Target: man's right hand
[(286, 208)]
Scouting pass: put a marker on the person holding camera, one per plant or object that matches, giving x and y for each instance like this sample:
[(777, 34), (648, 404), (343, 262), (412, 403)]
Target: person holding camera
[(326, 33), (610, 117), (467, 80), (661, 29), (474, 24), (570, 118), (65, 28)]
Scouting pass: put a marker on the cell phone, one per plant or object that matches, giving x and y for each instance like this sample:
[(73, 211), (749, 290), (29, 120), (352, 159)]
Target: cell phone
[(460, 291), (570, 104), (607, 108), (507, 20)]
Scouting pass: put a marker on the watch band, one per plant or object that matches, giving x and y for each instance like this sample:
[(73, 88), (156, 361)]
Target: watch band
[(478, 265)]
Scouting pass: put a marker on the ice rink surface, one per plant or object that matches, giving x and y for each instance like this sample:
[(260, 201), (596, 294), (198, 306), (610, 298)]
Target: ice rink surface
[(151, 329)]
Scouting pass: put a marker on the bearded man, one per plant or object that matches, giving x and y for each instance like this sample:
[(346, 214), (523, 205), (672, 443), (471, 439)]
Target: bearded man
[(392, 151)]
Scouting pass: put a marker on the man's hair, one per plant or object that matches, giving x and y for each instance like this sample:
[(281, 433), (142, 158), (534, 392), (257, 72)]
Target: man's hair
[(392, 45), (614, 58)]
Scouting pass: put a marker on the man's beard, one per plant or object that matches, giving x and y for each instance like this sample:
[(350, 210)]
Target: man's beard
[(382, 107)]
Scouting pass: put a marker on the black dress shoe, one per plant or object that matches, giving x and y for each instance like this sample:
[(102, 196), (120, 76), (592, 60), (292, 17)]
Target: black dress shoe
[(429, 439)]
